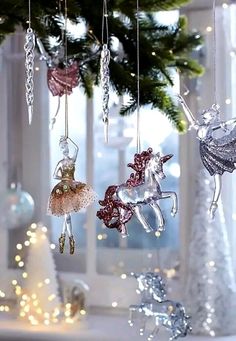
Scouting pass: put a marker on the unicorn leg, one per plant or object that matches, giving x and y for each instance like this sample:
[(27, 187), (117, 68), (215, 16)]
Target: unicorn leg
[(146, 226), (217, 190), (124, 232), (173, 196), (132, 310), (159, 215), (142, 327), (69, 231), (153, 333)]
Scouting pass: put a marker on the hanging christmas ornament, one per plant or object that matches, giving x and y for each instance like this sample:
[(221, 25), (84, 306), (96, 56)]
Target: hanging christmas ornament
[(156, 308), (62, 73), (29, 66), (17, 207), (142, 188), (218, 154), (68, 195), (104, 71), (63, 80)]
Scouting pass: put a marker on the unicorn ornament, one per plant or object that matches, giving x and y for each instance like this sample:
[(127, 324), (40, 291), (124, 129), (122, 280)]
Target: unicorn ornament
[(155, 306), (142, 188)]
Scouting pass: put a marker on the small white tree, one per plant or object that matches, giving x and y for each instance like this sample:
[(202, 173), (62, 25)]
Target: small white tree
[(210, 287), (40, 302)]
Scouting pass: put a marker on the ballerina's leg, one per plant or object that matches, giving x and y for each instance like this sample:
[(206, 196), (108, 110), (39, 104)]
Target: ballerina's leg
[(68, 225), (216, 195), (62, 238)]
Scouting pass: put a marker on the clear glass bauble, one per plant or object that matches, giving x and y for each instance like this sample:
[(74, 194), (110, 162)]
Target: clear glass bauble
[(17, 207)]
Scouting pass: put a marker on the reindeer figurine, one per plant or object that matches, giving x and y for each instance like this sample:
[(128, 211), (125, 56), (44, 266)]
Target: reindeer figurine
[(166, 313), (142, 188)]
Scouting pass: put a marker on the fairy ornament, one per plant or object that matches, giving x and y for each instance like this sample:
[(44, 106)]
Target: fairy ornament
[(68, 195), (218, 154)]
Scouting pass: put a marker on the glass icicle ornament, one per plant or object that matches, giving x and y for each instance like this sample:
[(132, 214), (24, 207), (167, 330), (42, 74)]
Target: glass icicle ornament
[(105, 79), (68, 195), (218, 154), (155, 307), (142, 188), (29, 66), (29, 69)]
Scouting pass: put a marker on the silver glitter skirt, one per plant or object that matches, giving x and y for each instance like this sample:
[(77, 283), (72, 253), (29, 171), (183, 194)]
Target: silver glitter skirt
[(219, 155)]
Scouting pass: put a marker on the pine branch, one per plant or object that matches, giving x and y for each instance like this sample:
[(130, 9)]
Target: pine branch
[(163, 48)]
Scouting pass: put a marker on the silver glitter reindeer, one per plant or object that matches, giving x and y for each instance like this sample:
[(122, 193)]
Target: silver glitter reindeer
[(166, 313)]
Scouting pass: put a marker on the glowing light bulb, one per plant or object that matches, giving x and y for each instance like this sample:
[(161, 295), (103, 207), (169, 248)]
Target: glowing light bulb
[(114, 304), (17, 258), (14, 282), (47, 281), (44, 229), (24, 275), (99, 237), (53, 246), (123, 276), (51, 297), (33, 226), (19, 246), (82, 312), (21, 264), (27, 243), (209, 29)]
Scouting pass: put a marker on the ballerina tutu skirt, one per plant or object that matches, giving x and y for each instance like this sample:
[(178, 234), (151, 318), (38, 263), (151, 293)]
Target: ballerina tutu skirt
[(70, 196)]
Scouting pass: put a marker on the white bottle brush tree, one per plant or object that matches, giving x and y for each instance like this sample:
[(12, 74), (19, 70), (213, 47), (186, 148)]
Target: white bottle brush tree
[(39, 300)]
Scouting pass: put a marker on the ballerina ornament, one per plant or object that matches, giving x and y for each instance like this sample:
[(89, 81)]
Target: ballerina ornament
[(218, 155), (142, 188), (68, 195)]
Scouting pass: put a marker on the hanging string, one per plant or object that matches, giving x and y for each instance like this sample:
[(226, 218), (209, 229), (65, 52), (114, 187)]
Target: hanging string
[(66, 62), (29, 15), (214, 52), (138, 143), (105, 22)]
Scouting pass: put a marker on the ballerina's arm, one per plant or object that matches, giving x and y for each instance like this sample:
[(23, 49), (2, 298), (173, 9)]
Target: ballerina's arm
[(57, 172), (74, 157), (193, 122), (224, 124)]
